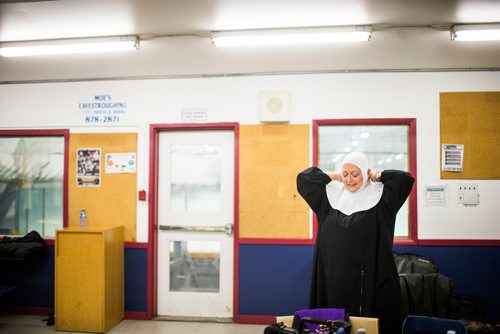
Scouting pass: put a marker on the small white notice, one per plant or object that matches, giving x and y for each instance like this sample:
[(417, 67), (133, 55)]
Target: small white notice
[(435, 194), (194, 115), (120, 163), (452, 157)]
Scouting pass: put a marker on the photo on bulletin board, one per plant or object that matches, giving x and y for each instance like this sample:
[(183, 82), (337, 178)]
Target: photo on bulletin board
[(120, 163), (88, 167)]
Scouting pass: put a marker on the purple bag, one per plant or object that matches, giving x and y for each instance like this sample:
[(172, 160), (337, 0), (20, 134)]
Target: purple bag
[(318, 313)]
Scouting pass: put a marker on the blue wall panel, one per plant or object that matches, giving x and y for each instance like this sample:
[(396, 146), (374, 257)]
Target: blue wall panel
[(473, 270), (274, 279), (35, 280), (136, 279)]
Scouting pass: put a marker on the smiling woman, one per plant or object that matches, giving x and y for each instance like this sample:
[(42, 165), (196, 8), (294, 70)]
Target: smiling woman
[(353, 265), (359, 189), (351, 177)]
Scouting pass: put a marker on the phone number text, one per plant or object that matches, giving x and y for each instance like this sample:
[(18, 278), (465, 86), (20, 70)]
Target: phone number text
[(102, 119)]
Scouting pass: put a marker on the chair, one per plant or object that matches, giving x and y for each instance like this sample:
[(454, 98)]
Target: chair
[(418, 324)]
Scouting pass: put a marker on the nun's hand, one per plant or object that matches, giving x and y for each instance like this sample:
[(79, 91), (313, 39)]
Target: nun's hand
[(374, 175), (335, 176)]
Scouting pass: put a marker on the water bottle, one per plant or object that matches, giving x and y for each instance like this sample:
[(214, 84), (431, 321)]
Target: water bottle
[(83, 218)]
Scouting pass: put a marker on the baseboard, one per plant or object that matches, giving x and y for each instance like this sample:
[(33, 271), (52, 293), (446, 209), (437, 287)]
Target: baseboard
[(254, 319), (28, 310), (136, 316)]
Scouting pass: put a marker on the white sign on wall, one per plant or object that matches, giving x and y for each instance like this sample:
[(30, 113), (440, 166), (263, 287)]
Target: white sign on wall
[(120, 163), (194, 115), (102, 109), (435, 194), (453, 157)]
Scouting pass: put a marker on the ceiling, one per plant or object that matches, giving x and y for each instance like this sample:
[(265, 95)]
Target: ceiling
[(180, 29), (29, 20)]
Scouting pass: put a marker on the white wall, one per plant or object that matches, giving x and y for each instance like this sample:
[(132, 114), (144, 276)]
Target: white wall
[(313, 96)]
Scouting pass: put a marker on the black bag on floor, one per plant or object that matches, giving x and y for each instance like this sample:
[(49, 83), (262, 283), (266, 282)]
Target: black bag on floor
[(408, 263), (324, 326), (322, 320), (476, 327), (473, 312), (26, 247), (463, 307), (279, 328), (425, 294)]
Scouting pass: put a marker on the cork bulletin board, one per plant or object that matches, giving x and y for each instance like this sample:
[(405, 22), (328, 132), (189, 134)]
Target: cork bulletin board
[(472, 119), (113, 202), (271, 156)]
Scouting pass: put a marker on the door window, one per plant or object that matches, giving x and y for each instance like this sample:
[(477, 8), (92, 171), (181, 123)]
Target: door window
[(195, 266), (195, 181)]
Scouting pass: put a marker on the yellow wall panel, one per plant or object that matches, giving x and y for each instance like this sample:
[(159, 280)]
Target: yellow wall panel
[(271, 156), (114, 201), (472, 119)]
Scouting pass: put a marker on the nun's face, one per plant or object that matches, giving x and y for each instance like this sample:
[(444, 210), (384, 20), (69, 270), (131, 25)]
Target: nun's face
[(351, 177)]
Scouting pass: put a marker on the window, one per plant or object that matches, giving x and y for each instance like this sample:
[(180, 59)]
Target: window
[(195, 178), (386, 142), (32, 181)]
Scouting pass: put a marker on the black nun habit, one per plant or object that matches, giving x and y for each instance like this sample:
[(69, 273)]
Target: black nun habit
[(353, 264)]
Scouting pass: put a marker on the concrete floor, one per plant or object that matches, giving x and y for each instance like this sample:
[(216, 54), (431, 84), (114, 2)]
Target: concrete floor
[(30, 324)]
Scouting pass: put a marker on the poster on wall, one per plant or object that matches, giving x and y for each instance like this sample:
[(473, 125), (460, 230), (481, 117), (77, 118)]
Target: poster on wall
[(452, 157), (120, 163), (88, 167)]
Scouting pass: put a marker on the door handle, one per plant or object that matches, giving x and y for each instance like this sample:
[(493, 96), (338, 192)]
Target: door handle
[(228, 228)]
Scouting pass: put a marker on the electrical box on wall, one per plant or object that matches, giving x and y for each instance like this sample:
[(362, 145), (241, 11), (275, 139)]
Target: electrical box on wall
[(274, 107), (468, 194)]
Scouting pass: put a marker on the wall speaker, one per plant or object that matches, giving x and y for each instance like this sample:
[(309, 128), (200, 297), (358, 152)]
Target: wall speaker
[(274, 107)]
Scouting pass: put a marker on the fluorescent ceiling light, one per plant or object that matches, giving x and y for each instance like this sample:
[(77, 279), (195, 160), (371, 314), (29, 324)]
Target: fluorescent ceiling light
[(476, 32), (69, 46), (291, 36)]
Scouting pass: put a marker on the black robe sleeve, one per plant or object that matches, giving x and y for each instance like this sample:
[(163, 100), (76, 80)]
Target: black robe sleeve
[(397, 187), (311, 186)]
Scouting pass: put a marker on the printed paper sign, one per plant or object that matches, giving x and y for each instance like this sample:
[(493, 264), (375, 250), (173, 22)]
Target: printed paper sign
[(452, 157), (121, 163), (194, 115), (435, 194), (88, 167)]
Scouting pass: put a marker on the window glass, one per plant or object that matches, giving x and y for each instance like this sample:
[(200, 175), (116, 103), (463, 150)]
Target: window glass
[(195, 178), (386, 147), (195, 266), (31, 184)]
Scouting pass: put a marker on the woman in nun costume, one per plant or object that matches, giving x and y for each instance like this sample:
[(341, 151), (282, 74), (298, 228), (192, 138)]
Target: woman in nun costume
[(353, 265)]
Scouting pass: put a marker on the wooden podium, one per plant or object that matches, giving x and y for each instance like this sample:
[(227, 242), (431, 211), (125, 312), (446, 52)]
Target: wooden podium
[(89, 276)]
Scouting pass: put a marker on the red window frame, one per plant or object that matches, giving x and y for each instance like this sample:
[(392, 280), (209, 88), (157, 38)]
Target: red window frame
[(412, 239)]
